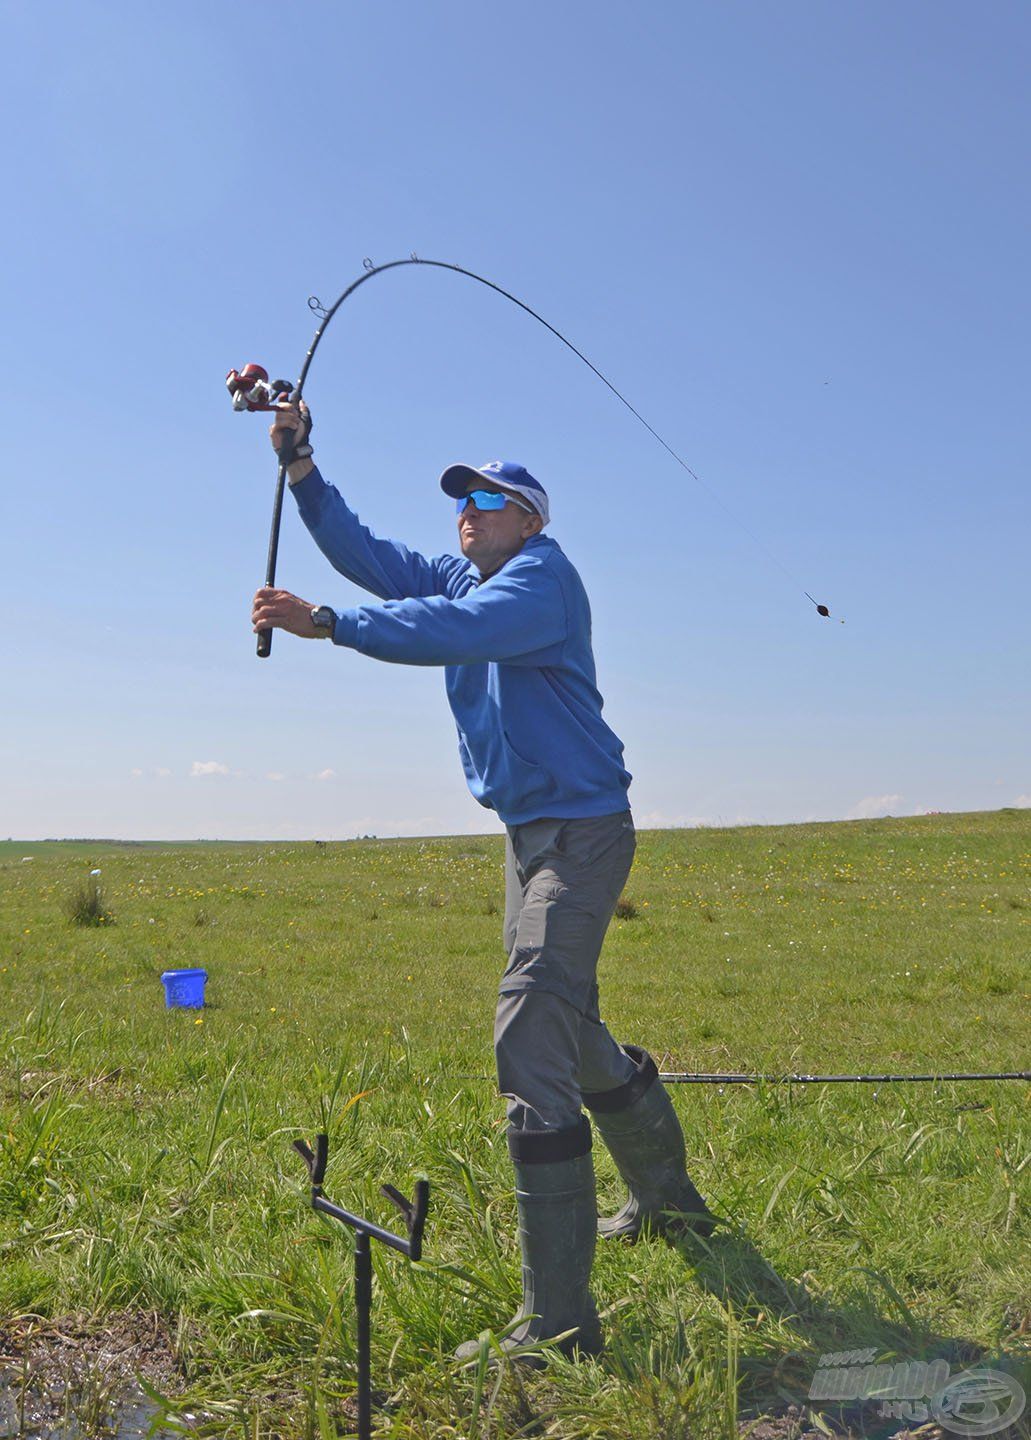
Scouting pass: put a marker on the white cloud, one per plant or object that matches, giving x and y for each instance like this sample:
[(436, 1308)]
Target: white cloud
[(1023, 802), (162, 773), (326, 775), (136, 774), (875, 807), (208, 767), (274, 775)]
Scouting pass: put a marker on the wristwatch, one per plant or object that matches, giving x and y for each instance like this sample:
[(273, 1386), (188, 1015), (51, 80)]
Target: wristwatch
[(324, 619)]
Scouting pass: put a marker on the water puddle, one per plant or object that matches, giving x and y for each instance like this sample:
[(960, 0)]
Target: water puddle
[(73, 1379), (32, 1408)]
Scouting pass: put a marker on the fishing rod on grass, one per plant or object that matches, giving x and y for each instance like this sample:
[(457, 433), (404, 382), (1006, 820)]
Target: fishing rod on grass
[(251, 390), (705, 1077)]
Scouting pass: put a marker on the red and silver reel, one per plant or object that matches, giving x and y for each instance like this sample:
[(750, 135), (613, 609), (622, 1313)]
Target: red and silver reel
[(251, 389)]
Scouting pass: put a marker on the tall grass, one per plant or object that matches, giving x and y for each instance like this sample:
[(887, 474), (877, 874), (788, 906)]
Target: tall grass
[(84, 905)]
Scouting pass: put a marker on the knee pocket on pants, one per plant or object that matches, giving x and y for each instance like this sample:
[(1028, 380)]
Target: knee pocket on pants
[(560, 959)]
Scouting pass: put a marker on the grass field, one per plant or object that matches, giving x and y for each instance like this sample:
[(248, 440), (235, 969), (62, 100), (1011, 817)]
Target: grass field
[(146, 1169)]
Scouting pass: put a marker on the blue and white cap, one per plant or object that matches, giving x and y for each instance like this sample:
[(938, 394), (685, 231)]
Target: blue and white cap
[(505, 473)]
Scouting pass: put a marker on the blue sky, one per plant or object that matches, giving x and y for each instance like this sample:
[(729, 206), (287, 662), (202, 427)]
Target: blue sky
[(795, 235)]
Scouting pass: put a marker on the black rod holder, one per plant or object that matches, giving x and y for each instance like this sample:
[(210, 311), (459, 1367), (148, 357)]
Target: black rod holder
[(365, 1231)]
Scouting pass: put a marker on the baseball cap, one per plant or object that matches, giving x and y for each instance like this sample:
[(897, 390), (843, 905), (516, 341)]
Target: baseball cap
[(506, 473)]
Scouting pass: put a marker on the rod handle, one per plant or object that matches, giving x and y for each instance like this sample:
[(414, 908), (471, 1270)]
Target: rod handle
[(264, 645)]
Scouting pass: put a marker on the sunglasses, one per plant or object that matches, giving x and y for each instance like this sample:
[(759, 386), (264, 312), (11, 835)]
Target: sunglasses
[(489, 500)]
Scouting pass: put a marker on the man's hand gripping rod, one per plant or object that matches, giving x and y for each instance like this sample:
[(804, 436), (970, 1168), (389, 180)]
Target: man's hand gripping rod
[(252, 390)]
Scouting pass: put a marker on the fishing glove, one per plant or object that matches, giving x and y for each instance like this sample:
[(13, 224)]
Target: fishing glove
[(295, 446)]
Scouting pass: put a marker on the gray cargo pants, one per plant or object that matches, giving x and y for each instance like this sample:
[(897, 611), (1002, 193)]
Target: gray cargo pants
[(562, 881)]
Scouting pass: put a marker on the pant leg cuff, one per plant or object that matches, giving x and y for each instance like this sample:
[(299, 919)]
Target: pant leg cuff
[(544, 1147), (646, 1072)]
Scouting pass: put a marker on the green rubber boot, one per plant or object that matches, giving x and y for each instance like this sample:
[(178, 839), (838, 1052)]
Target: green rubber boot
[(639, 1125), (554, 1177)]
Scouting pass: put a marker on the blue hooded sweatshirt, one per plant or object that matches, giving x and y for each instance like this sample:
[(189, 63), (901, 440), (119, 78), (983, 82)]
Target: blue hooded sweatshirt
[(516, 651)]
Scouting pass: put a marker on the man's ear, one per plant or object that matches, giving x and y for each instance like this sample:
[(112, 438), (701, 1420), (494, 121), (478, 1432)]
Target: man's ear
[(532, 525)]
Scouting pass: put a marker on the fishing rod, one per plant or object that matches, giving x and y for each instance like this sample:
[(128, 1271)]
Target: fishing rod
[(251, 390), (702, 1077), (713, 1077)]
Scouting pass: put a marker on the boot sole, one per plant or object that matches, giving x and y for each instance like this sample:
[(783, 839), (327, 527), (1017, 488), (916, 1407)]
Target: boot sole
[(469, 1354), (670, 1231)]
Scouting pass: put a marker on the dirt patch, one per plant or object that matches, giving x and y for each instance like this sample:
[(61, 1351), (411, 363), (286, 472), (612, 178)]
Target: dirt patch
[(34, 1086), (75, 1377), (794, 1424)]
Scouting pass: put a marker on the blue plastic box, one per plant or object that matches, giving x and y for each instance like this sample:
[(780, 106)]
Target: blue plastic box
[(184, 989)]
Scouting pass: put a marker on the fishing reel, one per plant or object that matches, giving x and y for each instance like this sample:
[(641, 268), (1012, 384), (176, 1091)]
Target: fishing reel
[(251, 389)]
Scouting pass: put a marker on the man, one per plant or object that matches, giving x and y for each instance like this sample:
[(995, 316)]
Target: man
[(510, 624)]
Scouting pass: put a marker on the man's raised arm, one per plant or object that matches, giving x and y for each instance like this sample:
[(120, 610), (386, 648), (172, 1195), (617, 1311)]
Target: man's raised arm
[(386, 568)]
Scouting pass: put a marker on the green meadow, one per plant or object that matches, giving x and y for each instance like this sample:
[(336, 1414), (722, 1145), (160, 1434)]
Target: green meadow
[(146, 1166)]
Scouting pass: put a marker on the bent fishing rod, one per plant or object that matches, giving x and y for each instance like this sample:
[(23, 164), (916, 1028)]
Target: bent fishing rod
[(251, 390)]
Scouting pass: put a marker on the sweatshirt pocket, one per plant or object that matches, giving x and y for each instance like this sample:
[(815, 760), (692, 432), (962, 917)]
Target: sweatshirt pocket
[(526, 779), (522, 759)]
